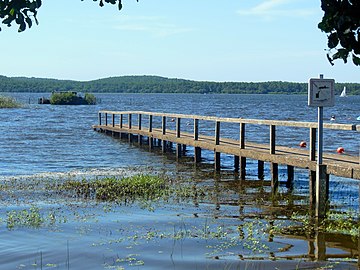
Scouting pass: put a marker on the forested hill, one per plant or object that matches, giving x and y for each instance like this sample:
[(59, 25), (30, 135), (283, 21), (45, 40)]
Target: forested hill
[(155, 84)]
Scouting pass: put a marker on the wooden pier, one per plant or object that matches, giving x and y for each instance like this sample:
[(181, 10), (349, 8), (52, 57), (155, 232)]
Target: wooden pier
[(166, 129)]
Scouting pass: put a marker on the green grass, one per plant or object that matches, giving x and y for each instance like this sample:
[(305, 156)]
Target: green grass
[(8, 102)]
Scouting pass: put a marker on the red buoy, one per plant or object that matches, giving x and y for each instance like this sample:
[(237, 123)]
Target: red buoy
[(302, 144), (340, 150)]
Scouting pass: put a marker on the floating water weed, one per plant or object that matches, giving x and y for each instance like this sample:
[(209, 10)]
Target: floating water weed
[(25, 218)]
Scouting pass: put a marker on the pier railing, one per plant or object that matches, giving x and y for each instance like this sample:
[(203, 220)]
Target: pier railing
[(204, 132), (136, 120)]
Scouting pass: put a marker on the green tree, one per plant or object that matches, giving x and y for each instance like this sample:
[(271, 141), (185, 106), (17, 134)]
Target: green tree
[(23, 12), (341, 21)]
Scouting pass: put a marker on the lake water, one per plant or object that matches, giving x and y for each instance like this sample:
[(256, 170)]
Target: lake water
[(45, 141)]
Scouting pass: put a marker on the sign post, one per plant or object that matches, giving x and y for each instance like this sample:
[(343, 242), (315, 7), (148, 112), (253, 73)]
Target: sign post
[(321, 94)]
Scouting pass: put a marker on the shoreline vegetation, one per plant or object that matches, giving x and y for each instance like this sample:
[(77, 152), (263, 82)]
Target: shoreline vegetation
[(157, 84), (8, 102)]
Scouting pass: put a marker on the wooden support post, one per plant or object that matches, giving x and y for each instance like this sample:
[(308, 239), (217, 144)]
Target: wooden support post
[(164, 146), (140, 138), (184, 148), (197, 156), (260, 170), (322, 191), (274, 177), (99, 118), (106, 119), (178, 127), (151, 143), (290, 179), (113, 120), (178, 150), (164, 125), (121, 120), (242, 168), (217, 161), (236, 163), (320, 250), (312, 190)]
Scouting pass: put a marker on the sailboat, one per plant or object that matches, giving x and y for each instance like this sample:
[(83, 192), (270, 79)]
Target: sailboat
[(343, 93)]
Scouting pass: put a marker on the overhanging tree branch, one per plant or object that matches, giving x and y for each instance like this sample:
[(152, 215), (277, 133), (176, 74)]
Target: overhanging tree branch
[(341, 21)]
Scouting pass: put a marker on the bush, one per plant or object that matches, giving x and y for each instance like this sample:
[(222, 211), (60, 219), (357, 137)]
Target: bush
[(90, 99), (71, 98), (8, 102)]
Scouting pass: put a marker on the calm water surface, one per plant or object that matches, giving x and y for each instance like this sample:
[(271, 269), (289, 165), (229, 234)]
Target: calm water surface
[(44, 141)]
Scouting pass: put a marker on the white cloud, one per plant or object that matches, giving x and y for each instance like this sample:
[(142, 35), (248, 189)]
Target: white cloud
[(271, 9)]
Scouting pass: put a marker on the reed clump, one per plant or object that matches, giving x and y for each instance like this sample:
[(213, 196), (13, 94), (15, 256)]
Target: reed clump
[(8, 102)]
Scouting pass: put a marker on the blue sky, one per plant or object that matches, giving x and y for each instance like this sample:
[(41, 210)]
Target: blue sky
[(205, 40)]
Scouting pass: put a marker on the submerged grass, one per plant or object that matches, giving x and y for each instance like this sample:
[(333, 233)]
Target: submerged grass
[(129, 189)]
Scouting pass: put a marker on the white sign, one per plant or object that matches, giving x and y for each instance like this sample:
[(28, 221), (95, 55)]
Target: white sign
[(321, 93)]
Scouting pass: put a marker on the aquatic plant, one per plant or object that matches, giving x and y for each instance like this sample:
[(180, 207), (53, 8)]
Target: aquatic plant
[(8, 102), (24, 218), (333, 223), (139, 187)]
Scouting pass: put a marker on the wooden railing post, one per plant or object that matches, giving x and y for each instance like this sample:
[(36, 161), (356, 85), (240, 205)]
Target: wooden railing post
[(312, 147), (121, 120), (139, 125), (129, 121), (217, 142), (217, 132), (113, 120), (106, 119), (242, 135), (150, 139), (139, 121), (274, 166), (312, 174), (178, 133), (164, 125), (99, 118), (150, 123), (272, 139), (197, 157), (196, 129)]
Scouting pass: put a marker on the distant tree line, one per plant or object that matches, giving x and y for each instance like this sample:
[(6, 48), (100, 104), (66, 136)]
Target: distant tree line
[(156, 84)]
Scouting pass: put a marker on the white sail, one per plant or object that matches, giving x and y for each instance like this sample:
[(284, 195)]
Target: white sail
[(343, 93)]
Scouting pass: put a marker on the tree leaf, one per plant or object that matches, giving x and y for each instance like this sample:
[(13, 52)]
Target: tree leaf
[(333, 40), (356, 60)]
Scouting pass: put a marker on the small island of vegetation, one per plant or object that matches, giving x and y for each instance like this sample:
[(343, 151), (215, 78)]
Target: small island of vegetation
[(68, 98)]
